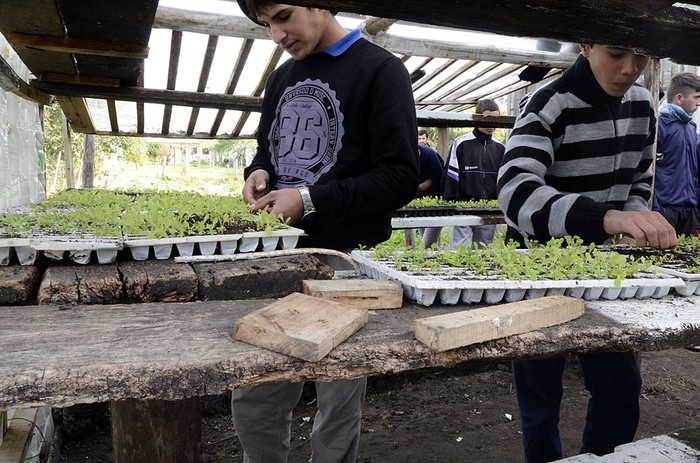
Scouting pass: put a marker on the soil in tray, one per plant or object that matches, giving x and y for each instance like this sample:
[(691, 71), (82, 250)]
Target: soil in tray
[(682, 258)]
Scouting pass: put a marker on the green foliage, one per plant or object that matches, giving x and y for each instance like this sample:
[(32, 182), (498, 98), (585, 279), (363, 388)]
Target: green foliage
[(147, 214), (559, 259), (434, 201)]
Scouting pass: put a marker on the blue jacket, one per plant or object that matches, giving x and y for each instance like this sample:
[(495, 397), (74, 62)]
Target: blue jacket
[(677, 170), (430, 167)]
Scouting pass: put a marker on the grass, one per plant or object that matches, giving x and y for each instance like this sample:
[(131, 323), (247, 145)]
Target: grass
[(214, 180)]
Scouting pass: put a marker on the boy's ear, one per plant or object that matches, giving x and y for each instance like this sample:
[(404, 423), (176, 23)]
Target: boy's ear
[(585, 49)]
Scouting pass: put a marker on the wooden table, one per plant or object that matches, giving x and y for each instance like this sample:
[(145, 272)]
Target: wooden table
[(60, 356)]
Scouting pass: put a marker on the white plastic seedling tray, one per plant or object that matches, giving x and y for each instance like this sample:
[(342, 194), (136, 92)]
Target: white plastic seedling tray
[(57, 248), (210, 244), (692, 280), (450, 288), (79, 250), (25, 253)]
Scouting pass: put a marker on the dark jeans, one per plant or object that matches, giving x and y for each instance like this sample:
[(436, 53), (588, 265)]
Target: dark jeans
[(612, 379)]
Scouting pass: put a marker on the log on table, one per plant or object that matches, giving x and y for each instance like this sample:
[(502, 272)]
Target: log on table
[(445, 332), (158, 281), (261, 278), (18, 284), (90, 284), (302, 326), (362, 293)]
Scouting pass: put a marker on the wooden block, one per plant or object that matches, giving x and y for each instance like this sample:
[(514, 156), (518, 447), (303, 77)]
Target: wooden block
[(302, 326), (449, 331), (361, 293)]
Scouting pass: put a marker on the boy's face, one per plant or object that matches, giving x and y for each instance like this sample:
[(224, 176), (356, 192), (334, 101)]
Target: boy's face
[(615, 69), (689, 103), (489, 130), (297, 30)]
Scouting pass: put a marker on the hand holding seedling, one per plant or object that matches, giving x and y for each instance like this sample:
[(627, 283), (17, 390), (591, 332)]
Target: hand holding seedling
[(645, 228), (256, 186)]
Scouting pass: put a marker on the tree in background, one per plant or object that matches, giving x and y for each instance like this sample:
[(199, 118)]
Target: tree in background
[(54, 150)]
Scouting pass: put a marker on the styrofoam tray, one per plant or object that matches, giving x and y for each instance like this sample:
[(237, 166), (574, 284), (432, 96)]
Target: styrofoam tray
[(210, 244), (451, 288), (692, 280)]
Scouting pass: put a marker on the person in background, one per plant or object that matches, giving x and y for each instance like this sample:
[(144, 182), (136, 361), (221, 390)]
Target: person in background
[(472, 168), (430, 168), (676, 175), (579, 162), (336, 156), (423, 137)]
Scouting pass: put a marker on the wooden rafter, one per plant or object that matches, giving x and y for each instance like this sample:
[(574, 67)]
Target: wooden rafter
[(77, 46), (203, 77), (271, 65), (78, 79), (113, 118), (446, 65), (155, 96), (77, 112), (175, 45), (243, 54), (447, 80)]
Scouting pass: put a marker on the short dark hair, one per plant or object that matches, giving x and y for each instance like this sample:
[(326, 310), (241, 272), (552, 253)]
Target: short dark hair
[(251, 8), (423, 132), (684, 83), (486, 105)]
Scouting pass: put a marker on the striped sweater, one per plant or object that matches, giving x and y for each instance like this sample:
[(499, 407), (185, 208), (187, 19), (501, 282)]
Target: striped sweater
[(575, 153)]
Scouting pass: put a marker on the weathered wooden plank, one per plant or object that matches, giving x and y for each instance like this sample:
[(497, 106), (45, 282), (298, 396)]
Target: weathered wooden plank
[(65, 355), (60, 44), (363, 293), (656, 27), (173, 97), (77, 112), (445, 119), (299, 325), (445, 332)]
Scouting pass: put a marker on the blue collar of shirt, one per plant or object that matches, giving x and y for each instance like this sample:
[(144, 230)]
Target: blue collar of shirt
[(339, 47)]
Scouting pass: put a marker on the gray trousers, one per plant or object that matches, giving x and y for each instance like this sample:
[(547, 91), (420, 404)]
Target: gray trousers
[(430, 236), (479, 235), (262, 416)]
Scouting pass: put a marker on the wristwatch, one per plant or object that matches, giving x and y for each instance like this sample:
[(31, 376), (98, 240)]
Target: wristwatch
[(309, 209)]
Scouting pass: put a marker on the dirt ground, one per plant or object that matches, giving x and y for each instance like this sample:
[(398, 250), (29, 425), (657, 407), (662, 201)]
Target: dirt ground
[(464, 414)]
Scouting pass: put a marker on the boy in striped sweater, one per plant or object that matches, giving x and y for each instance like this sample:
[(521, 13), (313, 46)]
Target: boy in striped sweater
[(579, 162)]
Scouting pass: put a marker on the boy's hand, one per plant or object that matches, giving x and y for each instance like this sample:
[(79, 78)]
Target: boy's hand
[(256, 186), (645, 228), (286, 202)]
